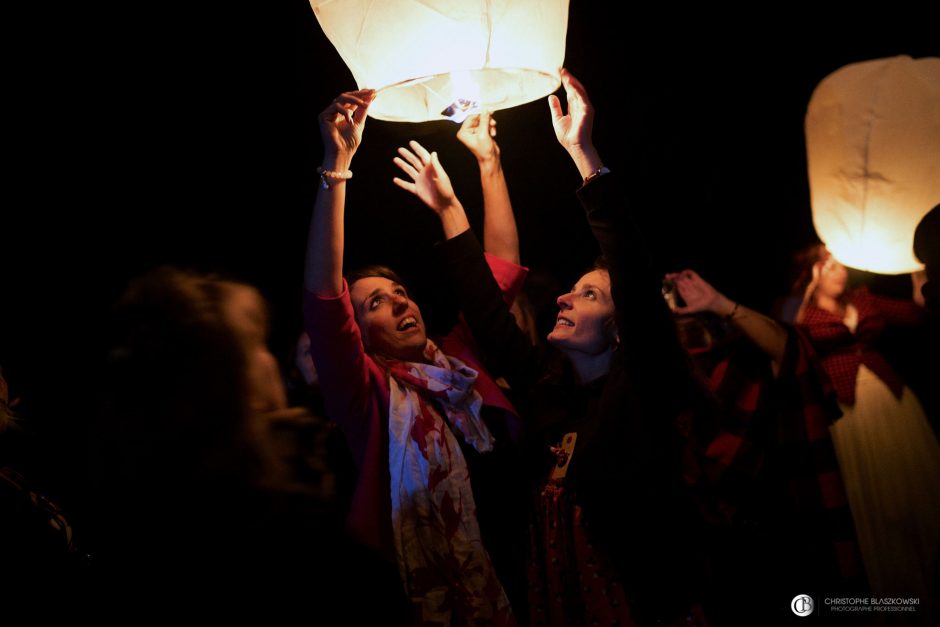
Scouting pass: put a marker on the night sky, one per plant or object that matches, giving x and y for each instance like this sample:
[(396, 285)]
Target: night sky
[(185, 136)]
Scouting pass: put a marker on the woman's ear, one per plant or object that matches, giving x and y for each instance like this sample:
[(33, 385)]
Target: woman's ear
[(612, 332)]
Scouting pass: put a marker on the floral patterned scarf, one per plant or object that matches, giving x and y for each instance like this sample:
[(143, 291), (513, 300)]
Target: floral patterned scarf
[(447, 572)]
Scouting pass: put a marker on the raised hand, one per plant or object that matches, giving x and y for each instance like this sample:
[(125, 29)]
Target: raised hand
[(477, 133), (818, 268), (698, 294), (341, 125), (429, 181), (573, 129)]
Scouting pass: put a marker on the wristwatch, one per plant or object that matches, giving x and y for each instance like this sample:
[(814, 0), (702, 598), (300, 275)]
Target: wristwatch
[(601, 171)]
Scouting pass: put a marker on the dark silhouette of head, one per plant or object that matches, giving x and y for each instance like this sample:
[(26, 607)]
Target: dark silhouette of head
[(927, 249)]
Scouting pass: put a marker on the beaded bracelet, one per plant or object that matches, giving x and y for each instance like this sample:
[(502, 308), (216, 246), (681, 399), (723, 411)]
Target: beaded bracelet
[(330, 176)]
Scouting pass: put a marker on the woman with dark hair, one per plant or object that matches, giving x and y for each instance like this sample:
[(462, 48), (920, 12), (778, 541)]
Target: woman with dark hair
[(888, 453), (429, 429), (604, 406)]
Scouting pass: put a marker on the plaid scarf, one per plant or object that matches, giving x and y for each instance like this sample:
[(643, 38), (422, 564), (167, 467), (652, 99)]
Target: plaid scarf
[(787, 417)]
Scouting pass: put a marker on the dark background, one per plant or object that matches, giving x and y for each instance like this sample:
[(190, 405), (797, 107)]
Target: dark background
[(187, 135)]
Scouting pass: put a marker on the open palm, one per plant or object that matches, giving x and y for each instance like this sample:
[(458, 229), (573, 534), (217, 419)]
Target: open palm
[(429, 181)]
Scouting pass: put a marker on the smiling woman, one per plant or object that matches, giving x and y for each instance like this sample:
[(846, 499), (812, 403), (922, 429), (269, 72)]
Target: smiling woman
[(585, 329), (604, 415), (429, 429)]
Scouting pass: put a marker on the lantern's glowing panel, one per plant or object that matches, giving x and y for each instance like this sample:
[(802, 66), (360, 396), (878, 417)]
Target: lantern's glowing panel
[(436, 59), (873, 150)]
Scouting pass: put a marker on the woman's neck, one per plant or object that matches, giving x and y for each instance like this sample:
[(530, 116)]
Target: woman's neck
[(831, 304), (415, 356), (590, 367)]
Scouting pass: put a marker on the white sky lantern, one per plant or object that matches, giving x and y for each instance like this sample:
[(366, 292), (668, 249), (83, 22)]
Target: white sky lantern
[(873, 149), (437, 59)]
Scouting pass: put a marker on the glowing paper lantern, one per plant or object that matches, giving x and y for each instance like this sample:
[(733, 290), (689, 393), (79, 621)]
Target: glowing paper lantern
[(436, 59), (873, 148)]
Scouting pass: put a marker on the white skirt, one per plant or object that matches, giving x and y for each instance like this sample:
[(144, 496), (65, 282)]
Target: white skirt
[(890, 462)]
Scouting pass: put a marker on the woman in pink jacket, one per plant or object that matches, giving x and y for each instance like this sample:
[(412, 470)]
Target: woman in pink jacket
[(418, 414)]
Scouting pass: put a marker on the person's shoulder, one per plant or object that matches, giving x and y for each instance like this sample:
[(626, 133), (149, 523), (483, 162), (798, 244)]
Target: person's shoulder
[(860, 292), (864, 300)]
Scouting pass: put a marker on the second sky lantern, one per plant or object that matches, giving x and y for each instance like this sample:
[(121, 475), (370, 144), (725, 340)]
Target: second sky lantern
[(873, 148)]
